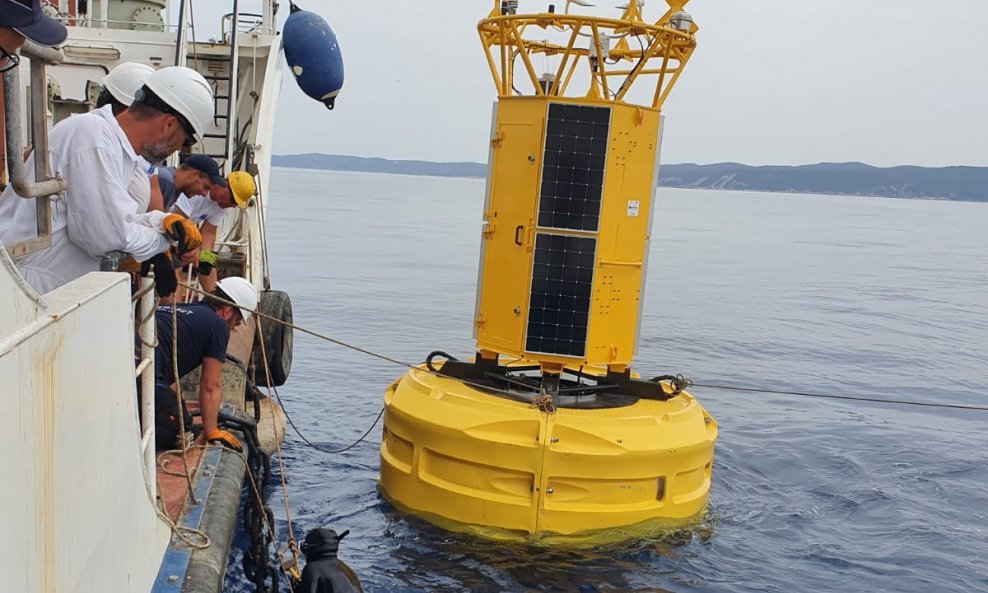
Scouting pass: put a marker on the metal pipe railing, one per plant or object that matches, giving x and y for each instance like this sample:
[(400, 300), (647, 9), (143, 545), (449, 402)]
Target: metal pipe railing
[(145, 322), (15, 150), (44, 185)]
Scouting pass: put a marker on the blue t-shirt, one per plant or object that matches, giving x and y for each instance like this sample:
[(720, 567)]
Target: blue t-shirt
[(201, 334), (166, 181)]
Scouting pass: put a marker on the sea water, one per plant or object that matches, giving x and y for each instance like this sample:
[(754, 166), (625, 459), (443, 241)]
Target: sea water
[(855, 296)]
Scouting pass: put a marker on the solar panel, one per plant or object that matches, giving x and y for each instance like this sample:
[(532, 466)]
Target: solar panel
[(573, 166), (559, 304)]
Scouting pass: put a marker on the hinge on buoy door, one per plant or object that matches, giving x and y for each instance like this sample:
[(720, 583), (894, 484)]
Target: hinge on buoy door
[(496, 140), (488, 230)]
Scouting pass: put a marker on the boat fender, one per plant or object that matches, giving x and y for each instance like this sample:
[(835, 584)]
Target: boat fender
[(278, 339), (313, 54), (324, 572)]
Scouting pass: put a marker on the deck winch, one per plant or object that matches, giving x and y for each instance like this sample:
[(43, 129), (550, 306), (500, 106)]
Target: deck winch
[(547, 430)]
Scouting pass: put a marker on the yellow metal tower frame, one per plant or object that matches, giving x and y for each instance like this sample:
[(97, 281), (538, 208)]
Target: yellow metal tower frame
[(571, 182)]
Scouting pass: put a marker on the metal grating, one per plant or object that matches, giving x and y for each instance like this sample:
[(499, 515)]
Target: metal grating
[(559, 304), (573, 166)]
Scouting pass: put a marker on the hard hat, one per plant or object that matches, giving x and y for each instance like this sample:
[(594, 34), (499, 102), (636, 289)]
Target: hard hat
[(242, 187), (124, 80), (187, 92), (241, 292)]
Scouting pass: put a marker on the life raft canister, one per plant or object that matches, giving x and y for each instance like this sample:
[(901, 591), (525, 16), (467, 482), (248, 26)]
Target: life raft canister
[(313, 54)]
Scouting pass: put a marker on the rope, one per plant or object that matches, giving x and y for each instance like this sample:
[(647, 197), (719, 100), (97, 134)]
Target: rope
[(877, 400), (317, 447), (503, 392), (281, 465), (181, 404), (180, 531)]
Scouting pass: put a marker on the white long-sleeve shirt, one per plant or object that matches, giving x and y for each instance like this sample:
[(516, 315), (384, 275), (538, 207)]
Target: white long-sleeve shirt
[(97, 214)]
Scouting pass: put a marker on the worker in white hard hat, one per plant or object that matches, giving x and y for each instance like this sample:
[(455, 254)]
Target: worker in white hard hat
[(119, 88), (121, 84), (99, 155), (208, 212), (202, 337)]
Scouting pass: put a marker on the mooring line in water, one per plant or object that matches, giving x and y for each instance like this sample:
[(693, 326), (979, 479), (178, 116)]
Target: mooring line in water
[(877, 400), (704, 385), (317, 447)]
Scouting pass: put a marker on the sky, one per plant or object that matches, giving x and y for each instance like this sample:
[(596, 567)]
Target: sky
[(784, 82)]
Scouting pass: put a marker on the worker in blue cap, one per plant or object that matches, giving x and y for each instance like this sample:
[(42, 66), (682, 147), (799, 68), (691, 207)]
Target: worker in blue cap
[(23, 19)]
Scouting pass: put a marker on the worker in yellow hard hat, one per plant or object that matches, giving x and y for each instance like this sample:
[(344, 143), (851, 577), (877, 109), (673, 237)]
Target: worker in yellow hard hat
[(208, 210)]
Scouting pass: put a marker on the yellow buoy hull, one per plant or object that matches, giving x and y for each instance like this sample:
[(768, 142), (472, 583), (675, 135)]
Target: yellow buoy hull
[(461, 457)]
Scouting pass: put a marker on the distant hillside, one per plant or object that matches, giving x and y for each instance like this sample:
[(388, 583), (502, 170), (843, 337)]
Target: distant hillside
[(946, 183), (335, 162)]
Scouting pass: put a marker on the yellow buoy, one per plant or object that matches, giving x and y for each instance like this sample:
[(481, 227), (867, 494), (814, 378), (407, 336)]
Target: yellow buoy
[(454, 452), (563, 440)]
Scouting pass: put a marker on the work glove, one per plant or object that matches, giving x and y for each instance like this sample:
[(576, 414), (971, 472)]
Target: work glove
[(182, 231), (207, 262), (224, 438), (165, 280)]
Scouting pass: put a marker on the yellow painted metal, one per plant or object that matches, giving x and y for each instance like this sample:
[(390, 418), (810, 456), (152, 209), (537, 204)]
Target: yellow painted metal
[(469, 460), (510, 227), (507, 37), (516, 165)]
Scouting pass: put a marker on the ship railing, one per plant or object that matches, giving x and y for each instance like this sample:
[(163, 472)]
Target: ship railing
[(247, 22), (145, 328), (90, 22), (45, 185)]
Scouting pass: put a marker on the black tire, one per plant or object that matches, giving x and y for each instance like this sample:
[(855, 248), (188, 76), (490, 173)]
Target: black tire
[(278, 339)]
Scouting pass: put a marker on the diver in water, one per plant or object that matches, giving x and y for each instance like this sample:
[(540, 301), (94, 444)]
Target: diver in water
[(324, 572)]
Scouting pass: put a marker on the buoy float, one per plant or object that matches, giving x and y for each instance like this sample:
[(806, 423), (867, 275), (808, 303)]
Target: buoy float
[(547, 432), (313, 55)]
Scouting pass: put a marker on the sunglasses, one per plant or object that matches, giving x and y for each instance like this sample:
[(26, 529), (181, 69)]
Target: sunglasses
[(190, 133), (10, 61), (154, 102)]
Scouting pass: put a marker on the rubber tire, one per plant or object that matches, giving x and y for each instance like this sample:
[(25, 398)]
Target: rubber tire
[(278, 339)]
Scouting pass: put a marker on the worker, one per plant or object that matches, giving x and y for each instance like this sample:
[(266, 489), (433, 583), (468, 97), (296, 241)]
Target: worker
[(121, 84), (119, 88), (100, 155), (201, 340), (208, 212), (192, 178), (23, 19), (324, 572)]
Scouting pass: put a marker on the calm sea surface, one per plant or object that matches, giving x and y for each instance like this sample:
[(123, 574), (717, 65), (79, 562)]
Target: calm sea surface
[(844, 295)]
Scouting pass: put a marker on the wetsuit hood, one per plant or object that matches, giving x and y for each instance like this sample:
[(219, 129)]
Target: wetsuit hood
[(322, 543)]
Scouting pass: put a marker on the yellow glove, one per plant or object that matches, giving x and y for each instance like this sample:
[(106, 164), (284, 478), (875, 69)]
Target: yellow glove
[(224, 438), (181, 230)]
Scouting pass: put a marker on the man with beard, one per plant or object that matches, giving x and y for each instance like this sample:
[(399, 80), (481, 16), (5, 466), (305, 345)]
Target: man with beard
[(99, 155)]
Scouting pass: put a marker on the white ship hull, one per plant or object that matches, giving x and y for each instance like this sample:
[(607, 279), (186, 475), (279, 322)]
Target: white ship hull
[(81, 484)]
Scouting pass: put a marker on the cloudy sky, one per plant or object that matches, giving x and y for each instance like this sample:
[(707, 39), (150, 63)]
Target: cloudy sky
[(886, 82)]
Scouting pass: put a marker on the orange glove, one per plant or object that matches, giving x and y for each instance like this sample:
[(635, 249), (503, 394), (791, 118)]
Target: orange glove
[(181, 230), (224, 438)]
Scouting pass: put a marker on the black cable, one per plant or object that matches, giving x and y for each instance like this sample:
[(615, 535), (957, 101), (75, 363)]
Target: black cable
[(317, 447), (844, 397), (257, 392)]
